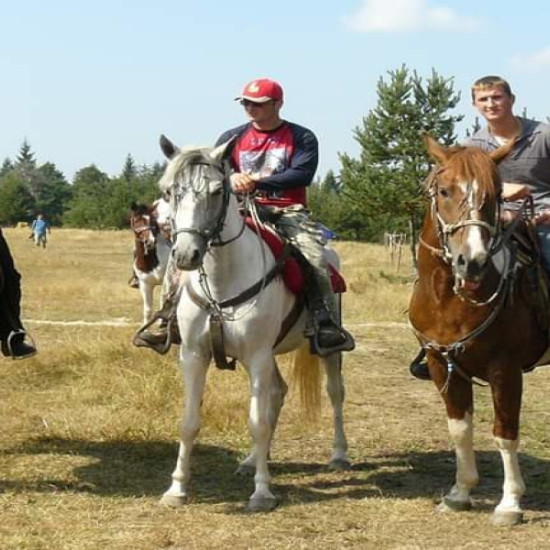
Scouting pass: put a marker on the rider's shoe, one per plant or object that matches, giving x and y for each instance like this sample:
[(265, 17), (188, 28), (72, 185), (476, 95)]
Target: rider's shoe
[(16, 347), (330, 338), (419, 369)]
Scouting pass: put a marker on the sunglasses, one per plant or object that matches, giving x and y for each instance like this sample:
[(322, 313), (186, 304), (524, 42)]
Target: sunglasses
[(246, 103)]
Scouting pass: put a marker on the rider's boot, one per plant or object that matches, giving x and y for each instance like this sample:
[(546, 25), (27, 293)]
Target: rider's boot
[(419, 366), (326, 336), (15, 346)]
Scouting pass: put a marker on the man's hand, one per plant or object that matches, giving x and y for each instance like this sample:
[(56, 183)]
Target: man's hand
[(514, 191), (242, 183), (543, 218)]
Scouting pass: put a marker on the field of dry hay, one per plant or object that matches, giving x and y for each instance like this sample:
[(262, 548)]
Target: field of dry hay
[(89, 427)]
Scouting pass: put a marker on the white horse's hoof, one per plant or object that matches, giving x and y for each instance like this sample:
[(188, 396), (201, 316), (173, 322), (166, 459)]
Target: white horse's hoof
[(173, 501), (245, 470), (262, 504), (339, 465), (449, 505), (506, 519)]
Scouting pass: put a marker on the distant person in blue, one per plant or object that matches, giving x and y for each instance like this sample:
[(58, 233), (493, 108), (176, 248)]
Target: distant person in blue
[(40, 228)]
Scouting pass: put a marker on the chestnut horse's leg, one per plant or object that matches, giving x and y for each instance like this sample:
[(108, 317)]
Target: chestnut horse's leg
[(458, 398), (507, 392)]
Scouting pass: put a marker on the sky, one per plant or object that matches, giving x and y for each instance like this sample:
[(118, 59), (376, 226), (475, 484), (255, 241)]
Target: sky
[(91, 82)]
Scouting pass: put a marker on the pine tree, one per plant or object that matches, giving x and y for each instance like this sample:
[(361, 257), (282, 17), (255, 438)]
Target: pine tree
[(26, 156), (129, 171), (383, 186)]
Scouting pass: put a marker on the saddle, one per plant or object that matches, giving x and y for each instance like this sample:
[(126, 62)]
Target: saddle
[(294, 267)]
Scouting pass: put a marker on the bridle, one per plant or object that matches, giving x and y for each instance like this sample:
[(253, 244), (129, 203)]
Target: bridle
[(139, 230), (211, 235), (445, 229)]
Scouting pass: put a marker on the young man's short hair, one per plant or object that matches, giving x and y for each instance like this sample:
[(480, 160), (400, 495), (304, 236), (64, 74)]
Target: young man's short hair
[(489, 82)]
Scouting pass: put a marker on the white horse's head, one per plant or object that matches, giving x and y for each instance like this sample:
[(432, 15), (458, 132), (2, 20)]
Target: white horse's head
[(196, 180)]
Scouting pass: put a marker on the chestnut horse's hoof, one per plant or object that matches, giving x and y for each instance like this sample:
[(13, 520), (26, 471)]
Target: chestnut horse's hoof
[(449, 505), (506, 519), (173, 501), (261, 504)]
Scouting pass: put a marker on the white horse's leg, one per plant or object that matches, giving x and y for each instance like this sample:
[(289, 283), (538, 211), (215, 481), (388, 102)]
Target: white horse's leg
[(147, 291), (277, 393), (508, 511), (194, 378), (336, 392), (458, 498), (260, 421)]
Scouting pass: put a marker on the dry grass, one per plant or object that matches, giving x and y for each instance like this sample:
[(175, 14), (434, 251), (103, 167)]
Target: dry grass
[(89, 428)]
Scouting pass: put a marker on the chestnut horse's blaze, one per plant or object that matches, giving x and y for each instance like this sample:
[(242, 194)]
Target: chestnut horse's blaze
[(476, 312)]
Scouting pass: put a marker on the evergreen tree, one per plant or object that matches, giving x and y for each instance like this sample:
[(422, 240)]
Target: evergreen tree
[(129, 170), (54, 195), (25, 156), (383, 186), (16, 203), (7, 166)]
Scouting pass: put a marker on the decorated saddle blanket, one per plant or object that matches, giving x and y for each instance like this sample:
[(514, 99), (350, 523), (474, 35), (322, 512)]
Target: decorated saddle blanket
[(293, 274)]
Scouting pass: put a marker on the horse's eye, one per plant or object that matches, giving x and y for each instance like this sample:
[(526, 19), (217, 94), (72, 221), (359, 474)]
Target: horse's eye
[(443, 192)]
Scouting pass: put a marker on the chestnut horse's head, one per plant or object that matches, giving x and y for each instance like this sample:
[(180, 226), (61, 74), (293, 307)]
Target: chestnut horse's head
[(465, 189), (144, 225)]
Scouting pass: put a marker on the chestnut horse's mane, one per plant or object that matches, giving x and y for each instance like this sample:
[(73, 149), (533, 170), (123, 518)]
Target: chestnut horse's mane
[(469, 164)]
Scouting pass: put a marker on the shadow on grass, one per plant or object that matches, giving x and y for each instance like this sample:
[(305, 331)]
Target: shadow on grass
[(143, 468)]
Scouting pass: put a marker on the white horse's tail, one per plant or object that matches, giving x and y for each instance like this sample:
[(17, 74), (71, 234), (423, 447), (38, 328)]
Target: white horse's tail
[(306, 374)]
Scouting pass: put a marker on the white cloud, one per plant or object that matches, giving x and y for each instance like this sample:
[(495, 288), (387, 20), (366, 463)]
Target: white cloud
[(406, 15), (534, 61)]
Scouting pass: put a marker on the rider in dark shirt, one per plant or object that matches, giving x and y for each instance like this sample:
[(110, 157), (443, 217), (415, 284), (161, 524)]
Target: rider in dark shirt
[(12, 333)]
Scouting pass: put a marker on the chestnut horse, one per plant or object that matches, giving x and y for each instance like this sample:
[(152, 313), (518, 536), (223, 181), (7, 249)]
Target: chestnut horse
[(478, 312), (152, 246)]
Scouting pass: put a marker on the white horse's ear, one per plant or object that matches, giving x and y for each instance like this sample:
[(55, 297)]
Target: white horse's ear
[(221, 152), (168, 148)]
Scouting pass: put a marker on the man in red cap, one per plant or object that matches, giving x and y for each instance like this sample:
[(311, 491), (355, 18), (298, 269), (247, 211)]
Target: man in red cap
[(277, 160)]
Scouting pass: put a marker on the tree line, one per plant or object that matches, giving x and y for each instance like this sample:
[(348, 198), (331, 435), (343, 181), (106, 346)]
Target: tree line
[(377, 192)]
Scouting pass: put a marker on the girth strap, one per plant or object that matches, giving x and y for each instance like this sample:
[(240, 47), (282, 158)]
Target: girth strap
[(215, 319)]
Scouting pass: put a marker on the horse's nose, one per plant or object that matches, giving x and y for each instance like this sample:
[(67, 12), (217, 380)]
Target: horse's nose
[(470, 268)]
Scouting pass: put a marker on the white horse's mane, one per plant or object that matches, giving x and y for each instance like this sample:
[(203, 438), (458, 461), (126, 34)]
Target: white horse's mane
[(178, 163)]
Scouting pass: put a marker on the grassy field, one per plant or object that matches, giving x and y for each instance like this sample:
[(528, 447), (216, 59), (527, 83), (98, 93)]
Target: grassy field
[(89, 428)]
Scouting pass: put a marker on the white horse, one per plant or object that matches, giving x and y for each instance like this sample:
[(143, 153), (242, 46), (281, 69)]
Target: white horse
[(151, 249), (232, 281)]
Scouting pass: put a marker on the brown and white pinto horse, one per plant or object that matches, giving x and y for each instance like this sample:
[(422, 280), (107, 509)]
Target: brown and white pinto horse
[(477, 313), (152, 246)]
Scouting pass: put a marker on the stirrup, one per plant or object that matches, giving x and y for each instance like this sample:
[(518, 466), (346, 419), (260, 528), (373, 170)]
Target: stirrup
[(162, 349), (317, 349)]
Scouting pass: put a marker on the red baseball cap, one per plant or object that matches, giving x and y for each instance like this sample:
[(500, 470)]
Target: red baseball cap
[(262, 90)]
